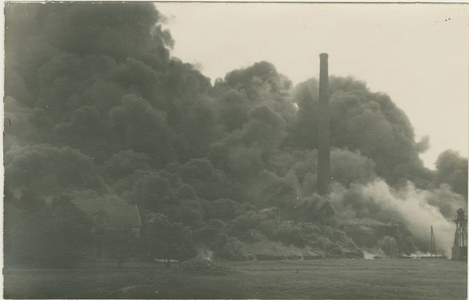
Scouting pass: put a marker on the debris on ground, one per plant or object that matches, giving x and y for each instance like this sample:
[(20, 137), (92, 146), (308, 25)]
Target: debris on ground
[(202, 266)]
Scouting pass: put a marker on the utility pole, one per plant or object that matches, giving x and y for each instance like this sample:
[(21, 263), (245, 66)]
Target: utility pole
[(432, 243)]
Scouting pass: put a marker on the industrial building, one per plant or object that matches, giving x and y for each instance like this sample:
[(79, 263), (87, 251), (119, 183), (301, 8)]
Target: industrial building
[(459, 250)]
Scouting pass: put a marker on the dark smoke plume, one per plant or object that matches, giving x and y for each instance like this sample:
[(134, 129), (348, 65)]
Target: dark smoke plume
[(452, 170), (98, 110)]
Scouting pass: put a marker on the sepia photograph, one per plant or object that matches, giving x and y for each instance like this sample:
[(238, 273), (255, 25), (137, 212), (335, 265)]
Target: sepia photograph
[(235, 150)]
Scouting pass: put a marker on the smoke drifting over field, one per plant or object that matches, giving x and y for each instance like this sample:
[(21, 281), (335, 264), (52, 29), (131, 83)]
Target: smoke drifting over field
[(98, 107)]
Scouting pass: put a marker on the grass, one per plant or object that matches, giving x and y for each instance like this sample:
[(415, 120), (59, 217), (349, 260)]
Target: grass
[(331, 279)]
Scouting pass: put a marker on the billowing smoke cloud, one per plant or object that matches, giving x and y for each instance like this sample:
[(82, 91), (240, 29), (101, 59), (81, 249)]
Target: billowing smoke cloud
[(96, 108), (417, 209), (50, 171), (452, 170), (368, 122)]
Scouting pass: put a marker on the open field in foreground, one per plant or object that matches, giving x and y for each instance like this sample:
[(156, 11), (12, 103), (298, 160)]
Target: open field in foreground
[(332, 279)]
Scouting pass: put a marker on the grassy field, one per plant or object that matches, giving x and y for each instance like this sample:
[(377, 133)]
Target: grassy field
[(332, 279)]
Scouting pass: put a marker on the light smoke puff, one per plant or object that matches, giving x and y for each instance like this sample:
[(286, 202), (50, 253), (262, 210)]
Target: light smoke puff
[(409, 204), (371, 253), (277, 248), (203, 252)]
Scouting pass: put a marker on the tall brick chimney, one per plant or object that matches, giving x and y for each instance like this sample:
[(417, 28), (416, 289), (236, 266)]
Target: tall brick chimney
[(324, 157)]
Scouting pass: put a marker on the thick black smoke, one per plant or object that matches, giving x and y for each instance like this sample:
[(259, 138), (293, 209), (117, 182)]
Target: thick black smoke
[(96, 108), (366, 122), (452, 170)]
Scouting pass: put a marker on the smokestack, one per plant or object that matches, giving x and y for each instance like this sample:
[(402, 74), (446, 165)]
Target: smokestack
[(324, 157)]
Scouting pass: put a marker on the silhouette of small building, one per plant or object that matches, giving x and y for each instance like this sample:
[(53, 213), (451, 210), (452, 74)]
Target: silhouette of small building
[(110, 215)]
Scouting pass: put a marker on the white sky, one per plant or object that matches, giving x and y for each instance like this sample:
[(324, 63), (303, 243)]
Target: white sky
[(416, 53)]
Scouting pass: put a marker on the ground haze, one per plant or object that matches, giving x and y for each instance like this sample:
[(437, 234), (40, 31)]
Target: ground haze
[(332, 279)]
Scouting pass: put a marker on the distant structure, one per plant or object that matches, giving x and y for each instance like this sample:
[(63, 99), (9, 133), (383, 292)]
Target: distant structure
[(109, 215), (118, 217), (123, 218), (432, 243), (459, 250), (324, 156)]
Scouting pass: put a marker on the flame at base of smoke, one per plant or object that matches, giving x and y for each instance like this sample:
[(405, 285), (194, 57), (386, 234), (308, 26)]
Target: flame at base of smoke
[(204, 253)]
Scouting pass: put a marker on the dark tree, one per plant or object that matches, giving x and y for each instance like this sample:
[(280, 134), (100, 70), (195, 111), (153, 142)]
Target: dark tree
[(39, 235), (168, 241), (120, 244)]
